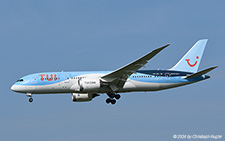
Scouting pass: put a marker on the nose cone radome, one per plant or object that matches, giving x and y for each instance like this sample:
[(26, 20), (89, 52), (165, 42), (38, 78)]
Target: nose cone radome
[(17, 88), (13, 88)]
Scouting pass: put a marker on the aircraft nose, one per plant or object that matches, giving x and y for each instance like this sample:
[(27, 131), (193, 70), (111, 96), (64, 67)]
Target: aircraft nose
[(18, 88), (13, 88)]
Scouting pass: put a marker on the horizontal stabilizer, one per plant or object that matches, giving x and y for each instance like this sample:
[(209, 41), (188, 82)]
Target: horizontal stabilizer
[(200, 73)]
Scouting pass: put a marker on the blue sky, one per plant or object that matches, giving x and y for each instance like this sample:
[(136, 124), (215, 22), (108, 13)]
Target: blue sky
[(71, 35)]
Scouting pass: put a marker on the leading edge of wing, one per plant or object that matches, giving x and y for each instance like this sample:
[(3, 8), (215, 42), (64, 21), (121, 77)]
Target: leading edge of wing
[(131, 67)]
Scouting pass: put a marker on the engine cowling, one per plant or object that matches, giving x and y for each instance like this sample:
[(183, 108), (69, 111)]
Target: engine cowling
[(89, 84), (77, 97)]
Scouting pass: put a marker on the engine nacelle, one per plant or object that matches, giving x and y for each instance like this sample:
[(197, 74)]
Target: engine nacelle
[(77, 97), (81, 97), (89, 84)]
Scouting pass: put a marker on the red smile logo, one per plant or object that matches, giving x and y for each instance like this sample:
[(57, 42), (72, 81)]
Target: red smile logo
[(192, 65)]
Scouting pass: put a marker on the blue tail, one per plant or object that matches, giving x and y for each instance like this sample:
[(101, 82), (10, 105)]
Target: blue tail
[(191, 60)]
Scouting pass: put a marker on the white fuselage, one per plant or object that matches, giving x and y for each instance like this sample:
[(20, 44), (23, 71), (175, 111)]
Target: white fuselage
[(68, 82)]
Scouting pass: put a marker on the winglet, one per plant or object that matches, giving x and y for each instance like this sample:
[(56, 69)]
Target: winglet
[(200, 73)]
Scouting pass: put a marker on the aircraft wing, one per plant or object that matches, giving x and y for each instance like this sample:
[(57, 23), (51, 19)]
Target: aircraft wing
[(118, 77)]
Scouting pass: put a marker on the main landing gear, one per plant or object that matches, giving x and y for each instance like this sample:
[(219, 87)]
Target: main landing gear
[(30, 95), (111, 98)]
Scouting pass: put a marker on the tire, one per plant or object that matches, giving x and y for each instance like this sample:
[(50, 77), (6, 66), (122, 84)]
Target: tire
[(108, 100), (30, 99), (113, 101), (117, 96)]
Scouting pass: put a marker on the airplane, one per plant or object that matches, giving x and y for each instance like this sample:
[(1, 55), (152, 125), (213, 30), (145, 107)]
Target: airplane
[(86, 85)]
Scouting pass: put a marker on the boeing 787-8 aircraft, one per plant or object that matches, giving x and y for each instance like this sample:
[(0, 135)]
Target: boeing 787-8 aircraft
[(86, 85)]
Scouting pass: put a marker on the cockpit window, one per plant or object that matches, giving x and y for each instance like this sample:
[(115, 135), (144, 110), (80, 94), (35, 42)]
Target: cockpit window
[(20, 80)]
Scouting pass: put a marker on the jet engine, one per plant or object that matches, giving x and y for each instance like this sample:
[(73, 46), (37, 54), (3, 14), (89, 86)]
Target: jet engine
[(77, 97), (89, 84)]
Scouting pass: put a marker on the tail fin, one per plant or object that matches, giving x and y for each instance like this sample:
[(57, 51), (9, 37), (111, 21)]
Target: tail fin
[(191, 60)]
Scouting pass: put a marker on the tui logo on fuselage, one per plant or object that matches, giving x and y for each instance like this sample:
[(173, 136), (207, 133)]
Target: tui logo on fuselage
[(53, 77)]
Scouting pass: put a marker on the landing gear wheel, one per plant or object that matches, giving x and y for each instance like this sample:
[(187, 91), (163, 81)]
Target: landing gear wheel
[(113, 101), (111, 95), (30, 99), (117, 96), (108, 100)]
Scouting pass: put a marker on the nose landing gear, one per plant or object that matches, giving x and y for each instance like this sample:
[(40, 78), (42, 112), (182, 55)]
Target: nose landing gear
[(111, 98), (31, 99), (30, 95)]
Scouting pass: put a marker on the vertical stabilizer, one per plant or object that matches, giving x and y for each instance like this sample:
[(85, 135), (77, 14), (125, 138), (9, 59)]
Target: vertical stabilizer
[(191, 60)]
